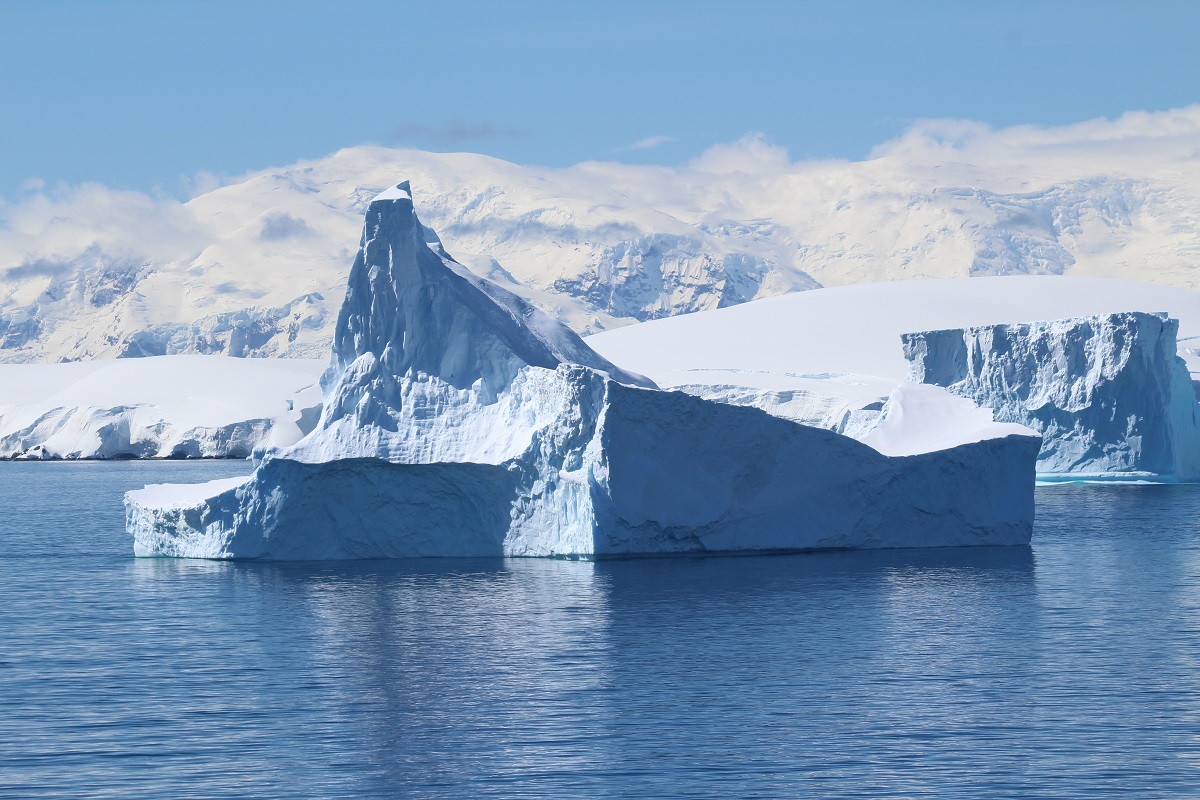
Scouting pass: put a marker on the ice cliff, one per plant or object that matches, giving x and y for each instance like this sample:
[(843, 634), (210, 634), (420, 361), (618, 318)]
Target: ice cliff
[(1108, 392), (461, 421)]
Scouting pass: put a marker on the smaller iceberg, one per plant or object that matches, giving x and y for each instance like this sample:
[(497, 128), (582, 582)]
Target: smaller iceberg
[(1108, 393), (461, 421)]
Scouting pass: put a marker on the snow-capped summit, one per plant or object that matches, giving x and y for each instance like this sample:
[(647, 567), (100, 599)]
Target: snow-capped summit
[(397, 192)]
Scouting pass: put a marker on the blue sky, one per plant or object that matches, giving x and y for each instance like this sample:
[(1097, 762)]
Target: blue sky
[(142, 95)]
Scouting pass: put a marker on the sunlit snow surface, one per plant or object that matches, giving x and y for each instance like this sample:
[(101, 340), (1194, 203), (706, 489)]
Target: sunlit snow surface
[(856, 330)]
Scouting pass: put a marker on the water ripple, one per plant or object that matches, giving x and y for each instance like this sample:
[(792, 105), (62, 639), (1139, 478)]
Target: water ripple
[(1069, 669)]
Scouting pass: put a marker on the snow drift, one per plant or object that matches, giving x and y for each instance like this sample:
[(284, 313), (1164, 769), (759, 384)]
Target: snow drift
[(459, 420)]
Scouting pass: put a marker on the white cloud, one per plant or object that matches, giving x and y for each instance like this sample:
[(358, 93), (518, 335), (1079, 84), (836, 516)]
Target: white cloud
[(70, 220), (751, 154), (651, 142), (203, 182), (1138, 142)]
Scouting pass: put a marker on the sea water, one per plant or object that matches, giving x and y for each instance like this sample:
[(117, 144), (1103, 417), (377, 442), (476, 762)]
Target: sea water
[(1067, 669)]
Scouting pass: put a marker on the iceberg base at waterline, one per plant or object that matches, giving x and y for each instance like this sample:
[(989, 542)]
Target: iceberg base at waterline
[(643, 472)]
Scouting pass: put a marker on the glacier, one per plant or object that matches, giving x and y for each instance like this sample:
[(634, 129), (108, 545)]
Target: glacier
[(184, 406), (1108, 393), (458, 419)]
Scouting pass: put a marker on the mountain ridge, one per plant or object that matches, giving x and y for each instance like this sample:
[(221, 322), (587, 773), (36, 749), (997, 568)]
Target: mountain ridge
[(257, 267)]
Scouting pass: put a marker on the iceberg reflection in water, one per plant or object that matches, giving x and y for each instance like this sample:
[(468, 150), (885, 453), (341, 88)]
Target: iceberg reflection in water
[(1068, 669)]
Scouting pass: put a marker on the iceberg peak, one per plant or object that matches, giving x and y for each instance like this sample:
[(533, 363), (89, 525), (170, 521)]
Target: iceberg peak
[(415, 309), (400, 191), (425, 350)]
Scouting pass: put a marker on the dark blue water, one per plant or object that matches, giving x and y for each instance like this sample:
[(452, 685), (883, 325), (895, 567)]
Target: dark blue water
[(1069, 669)]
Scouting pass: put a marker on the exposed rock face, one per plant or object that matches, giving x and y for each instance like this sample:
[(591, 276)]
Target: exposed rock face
[(461, 421), (1108, 393), (659, 275), (243, 333)]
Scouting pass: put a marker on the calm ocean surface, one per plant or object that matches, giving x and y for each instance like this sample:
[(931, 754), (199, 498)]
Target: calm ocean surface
[(1069, 669)]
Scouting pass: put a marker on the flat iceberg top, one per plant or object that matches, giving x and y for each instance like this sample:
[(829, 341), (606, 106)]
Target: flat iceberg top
[(183, 495), (394, 193), (857, 329), (920, 418), (850, 388)]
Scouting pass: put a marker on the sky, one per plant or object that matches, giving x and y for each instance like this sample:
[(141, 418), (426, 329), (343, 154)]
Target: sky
[(155, 96)]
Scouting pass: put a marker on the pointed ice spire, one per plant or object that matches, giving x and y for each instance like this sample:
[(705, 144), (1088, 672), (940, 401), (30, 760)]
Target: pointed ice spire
[(415, 308)]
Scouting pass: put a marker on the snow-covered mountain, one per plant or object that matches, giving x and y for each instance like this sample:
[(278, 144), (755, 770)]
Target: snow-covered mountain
[(258, 266)]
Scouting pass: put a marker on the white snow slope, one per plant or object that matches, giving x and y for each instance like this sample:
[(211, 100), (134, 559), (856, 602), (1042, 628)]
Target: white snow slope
[(831, 357), (856, 330), (460, 421), (256, 267), (186, 406)]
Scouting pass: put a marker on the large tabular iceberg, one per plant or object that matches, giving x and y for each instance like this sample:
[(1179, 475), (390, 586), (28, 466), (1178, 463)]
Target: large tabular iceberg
[(1108, 393), (461, 421)]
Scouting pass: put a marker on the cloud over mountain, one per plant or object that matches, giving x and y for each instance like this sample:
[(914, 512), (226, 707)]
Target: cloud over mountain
[(601, 244)]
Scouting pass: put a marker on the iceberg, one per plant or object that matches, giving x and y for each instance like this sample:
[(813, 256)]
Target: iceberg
[(459, 420), (1108, 392)]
